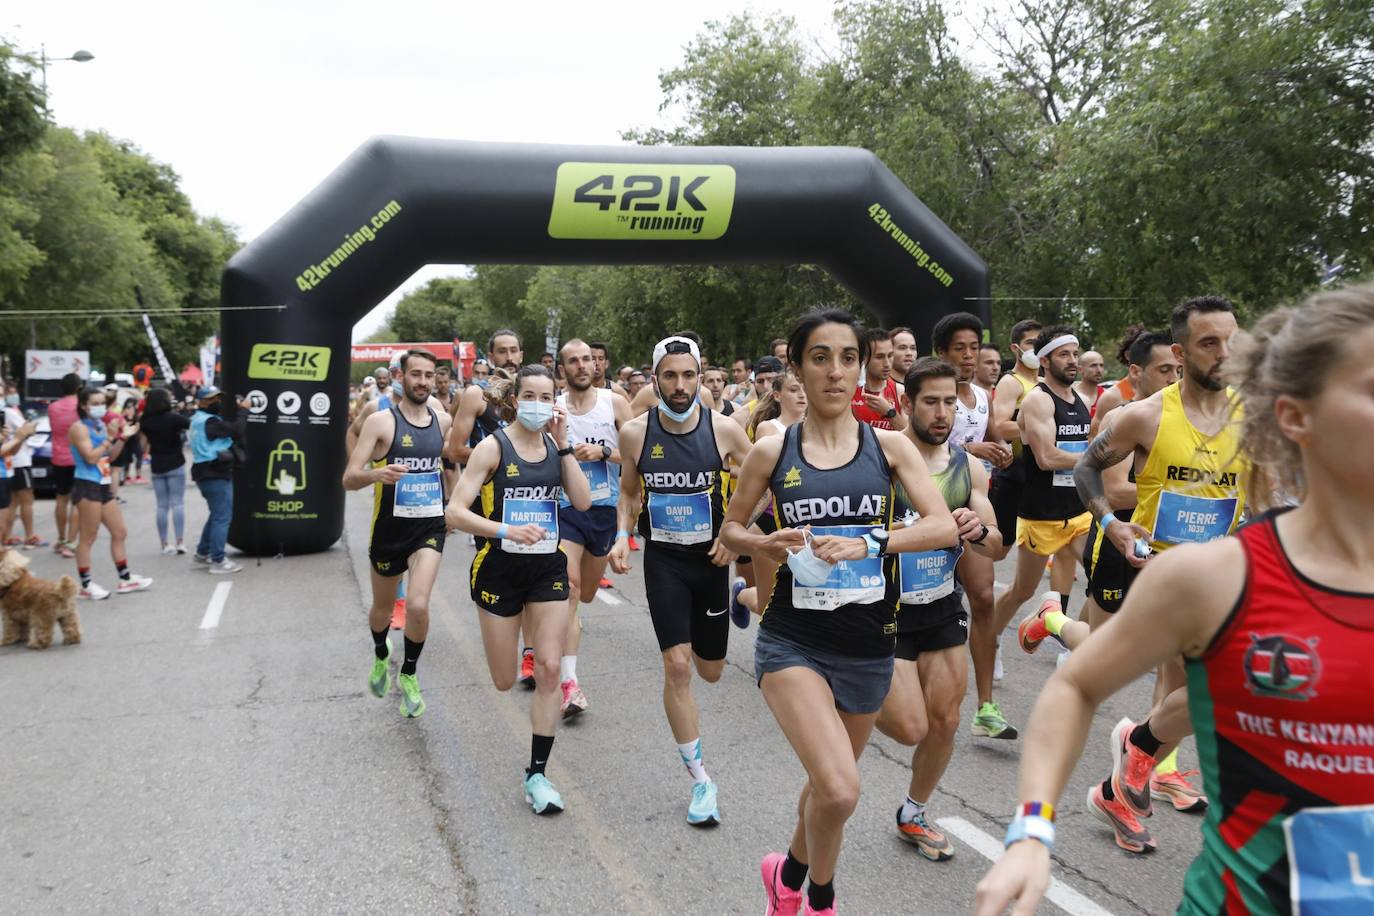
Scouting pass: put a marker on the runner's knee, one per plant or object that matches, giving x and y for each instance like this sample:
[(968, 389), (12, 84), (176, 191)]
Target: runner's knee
[(546, 672), (835, 792), (677, 670)]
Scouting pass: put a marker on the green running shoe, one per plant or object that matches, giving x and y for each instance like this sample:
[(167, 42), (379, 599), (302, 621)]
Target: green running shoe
[(703, 812), (379, 680), (541, 795), (412, 704), (988, 723)]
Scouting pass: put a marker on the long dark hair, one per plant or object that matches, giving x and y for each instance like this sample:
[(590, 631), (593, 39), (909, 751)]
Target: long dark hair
[(159, 400), (801, 332)]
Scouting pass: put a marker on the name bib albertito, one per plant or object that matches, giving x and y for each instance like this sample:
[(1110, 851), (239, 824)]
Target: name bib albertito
[(419, 494)]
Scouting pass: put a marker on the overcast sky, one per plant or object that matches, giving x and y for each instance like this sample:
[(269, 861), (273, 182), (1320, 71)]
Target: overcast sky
[(254, 102)]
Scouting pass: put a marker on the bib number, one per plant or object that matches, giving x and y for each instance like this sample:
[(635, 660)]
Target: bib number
[(1064, 476), (541, 512), (928, 575), (1331, 861), (1192, 519), (419, 495), (850, 582), (680, 518), (103, 464), (599, 480)]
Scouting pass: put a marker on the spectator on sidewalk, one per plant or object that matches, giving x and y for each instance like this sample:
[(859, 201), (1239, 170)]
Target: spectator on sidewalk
[(213, 441), (164, 430), (21, 476), (62, 413)]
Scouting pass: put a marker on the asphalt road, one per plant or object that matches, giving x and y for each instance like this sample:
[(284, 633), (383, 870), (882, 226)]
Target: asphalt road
[(168, 766)]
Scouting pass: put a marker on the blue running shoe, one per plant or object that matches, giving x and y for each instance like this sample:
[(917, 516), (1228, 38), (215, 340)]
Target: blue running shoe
[(702, 812), (541, 795), (739, 614)]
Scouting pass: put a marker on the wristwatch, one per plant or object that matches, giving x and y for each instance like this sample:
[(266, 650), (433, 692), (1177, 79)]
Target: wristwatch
[(983, 536), (891, 412), (877, 542), (605, 453)]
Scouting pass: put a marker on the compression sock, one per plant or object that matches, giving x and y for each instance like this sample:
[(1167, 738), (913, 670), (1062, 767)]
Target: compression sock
[(911, 810), (691, 758), (413, 650), (1145, 739), (793, 872), (540, 746), (1169, 764), (567, 668), (379, 642), (85, 573), (1055, 621), (122, 567), (820, 897)]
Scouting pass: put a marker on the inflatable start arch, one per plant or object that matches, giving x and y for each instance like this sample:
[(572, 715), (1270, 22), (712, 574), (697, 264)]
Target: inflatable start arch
[(400, 203)]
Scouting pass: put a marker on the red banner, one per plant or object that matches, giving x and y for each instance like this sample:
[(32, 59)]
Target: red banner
[(444, 350)]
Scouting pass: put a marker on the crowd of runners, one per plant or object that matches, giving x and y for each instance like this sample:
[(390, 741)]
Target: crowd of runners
[(848, 498)]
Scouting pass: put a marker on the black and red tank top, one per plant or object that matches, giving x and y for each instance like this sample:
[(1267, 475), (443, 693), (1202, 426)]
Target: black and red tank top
[(1282, 704)]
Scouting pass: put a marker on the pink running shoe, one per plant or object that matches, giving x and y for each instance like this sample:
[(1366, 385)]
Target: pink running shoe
[(1131, 770), (1032, 631), (828, 911), (782, 900), (574, 701), (1178, 791)]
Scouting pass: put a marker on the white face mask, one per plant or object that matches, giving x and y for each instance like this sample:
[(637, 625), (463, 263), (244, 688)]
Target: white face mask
[(12, 400), (96, 411), (807, 568), (533, 414)]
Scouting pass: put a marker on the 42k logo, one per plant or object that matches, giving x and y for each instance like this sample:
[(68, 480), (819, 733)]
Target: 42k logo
[(641, 201)]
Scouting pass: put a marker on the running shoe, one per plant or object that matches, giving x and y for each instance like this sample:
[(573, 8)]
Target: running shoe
[(225, 567), (989, 723), (1032, 631), (94, 592), (34, 541), (574, 701), (1131, 770), (1131, 835), (541, 795), (379, 681), (135, 583), (65, 549), (398, 614), (200, 559), (703, 812), (739, 614), (13, 541), (812, 911), (181, 549), (169, 550), (605, 583), (782, 900), (412, 704), (928, 841), (1175, 788), (527, 668), (634, 545)]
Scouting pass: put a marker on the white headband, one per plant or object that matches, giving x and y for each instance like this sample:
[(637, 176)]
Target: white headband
[(1055, 344)]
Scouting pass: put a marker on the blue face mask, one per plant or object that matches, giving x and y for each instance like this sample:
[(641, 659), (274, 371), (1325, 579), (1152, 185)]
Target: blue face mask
[(480, 383), (11, 400), (396, 390), (674, 415), (533, 414), (808, 569)]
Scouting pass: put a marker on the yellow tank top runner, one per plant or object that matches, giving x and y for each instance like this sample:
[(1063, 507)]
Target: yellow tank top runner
[(1026, 386), (1192, 488)]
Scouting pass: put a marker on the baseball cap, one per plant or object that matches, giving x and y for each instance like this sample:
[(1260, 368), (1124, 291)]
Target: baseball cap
[(207, 392), (675, 345), (768, 364)]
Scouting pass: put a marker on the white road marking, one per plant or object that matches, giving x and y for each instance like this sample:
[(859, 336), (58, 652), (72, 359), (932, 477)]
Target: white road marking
[(604, 595), (1059, 893), (216, 606)]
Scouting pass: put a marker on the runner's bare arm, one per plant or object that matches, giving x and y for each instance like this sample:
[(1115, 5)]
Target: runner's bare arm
[(1003, 424), (1038, 432), (470, 407), (1153, 626), (355, 429), (981, 507), (359, 472), (646, 398), (753, 483), (622, 418), (1110, 400), (628, 505), (935, 528), (481, 465), (1109, 447)]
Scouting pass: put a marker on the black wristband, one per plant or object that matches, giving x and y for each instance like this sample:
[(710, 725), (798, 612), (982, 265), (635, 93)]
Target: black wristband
[(565, 451), (982, 537)]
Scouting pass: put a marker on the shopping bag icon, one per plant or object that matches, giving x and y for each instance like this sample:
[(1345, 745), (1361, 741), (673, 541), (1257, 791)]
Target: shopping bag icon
[(286, 468)]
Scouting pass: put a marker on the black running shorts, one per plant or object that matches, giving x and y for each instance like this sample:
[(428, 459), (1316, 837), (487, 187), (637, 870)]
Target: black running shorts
[(689, 600), (1110, 576), (942, 624), (503, 583), (392, 558), (1005, 495)]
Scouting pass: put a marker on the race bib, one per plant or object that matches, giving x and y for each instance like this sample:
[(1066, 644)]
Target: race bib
[(1064, 477), (850, 582), (1192, 519), (598, 476), (928, 575), (680, 518), (103, 463), (419, 494), (541, 512), (1331, 861)]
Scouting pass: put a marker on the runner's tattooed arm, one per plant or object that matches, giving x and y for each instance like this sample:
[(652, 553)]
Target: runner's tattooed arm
[(1101, 454)]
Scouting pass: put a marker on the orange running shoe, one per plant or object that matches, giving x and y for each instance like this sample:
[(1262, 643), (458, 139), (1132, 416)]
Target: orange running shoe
[(1032, 631), (1177, 790), (398, 614), (527, 668), (1131, 835), (1131, 770)]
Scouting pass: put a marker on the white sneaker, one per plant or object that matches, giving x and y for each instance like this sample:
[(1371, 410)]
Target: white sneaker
[(168, 550), (135, 583), (180, 549), (224, 567), (94, 592), (200, 559), (998, 673)]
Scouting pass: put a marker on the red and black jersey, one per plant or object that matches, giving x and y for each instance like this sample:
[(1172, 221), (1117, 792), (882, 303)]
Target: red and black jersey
[(1282, 704), (865, 414)]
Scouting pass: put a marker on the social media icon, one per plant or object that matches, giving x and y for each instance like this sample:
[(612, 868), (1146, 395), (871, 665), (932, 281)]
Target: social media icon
[(288, 402), (257, 401), (319, 403)]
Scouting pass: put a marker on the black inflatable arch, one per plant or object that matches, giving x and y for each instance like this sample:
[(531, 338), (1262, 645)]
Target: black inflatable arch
[(399, 203)]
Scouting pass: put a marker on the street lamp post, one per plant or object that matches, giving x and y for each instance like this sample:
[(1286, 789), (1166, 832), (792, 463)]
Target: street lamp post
[(80, 57)]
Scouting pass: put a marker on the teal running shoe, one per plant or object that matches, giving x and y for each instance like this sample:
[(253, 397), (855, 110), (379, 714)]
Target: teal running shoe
[(379, 681), (412, 704), (541, 795), (702, 812), (989, 723)]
